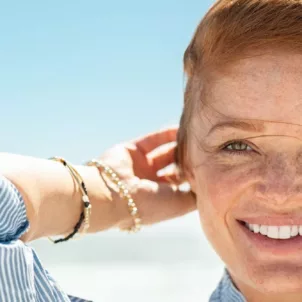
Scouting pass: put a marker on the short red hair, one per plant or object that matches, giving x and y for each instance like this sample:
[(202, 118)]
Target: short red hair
[(229, 31)]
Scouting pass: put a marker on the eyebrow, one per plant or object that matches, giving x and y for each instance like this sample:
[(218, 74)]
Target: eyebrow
[(252, 127)]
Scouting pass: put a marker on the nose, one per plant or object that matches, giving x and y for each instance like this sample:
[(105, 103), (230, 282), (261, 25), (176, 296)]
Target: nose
[(279, 180)]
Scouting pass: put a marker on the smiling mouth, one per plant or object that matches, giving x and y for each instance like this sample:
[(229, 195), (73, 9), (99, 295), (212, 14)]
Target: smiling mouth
[(274, 232), (276, 237)]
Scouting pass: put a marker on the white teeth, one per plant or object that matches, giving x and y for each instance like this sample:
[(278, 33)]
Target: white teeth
[(256, 228), (284, 232), (276, 232), (294, 231), (263, 229), (273, 232)]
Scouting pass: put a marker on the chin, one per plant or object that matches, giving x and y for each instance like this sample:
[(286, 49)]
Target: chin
[(275, 278)]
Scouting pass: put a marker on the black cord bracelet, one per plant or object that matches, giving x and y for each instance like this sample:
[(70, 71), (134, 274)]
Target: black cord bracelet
[(85, 215)]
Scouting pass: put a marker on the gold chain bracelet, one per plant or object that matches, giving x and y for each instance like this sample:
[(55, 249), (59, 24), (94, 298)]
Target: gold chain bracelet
[(123, 192)]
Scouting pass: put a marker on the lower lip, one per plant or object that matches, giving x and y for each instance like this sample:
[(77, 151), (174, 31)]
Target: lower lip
[(273, 246)]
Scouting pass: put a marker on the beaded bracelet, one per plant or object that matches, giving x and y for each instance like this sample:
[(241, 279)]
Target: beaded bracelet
[(123, 192), (85, 215)]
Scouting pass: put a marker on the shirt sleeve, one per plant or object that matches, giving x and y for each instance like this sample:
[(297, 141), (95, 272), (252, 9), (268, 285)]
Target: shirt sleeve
[(22, 276), (13, 220), (16, 263)]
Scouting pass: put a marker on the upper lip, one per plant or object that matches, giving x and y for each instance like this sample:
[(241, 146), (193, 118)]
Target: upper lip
[(273, 220)]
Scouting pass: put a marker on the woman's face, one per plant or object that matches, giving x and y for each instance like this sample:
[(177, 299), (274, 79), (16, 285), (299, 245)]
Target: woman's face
[(257, 180)]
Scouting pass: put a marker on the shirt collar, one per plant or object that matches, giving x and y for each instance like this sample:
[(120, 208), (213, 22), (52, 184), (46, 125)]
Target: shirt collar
[(227, 291)]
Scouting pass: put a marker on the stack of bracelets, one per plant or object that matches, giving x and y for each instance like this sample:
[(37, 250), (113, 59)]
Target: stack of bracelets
[(86, 213)]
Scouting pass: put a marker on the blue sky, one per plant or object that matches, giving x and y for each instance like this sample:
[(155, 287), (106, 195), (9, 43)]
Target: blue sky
[(78, 76)]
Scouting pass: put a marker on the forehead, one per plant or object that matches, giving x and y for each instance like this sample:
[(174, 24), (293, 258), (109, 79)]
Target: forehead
[(265, 88)]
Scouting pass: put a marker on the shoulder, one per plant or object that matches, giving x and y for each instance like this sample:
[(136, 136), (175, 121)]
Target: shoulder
[(13, 220), (216, 295)]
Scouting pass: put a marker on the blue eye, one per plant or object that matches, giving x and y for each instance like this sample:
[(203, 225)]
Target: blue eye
[(237, 148)]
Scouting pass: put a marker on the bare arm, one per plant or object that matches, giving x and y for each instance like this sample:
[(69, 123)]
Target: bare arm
[(53, 200)]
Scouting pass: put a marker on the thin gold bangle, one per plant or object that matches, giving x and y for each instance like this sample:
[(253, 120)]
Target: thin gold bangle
[(85, 215), (123, 192)]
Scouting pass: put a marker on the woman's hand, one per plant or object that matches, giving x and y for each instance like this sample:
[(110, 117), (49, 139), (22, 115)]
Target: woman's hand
[(137, 163)]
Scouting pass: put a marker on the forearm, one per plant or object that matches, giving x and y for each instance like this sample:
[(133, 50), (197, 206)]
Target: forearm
[(52, 197)]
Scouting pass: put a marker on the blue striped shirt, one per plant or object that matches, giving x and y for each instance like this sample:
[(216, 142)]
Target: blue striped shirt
[(226, 291), (22, 276)]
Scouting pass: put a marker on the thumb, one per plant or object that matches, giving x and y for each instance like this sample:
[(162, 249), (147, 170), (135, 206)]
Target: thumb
[(161, 201)]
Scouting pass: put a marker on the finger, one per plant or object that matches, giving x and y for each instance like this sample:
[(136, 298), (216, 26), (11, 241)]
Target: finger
[(161, 202), (162, 156), (155, 139), (172, 179)]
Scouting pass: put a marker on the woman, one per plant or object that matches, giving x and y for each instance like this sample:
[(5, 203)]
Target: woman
[(239, 146)]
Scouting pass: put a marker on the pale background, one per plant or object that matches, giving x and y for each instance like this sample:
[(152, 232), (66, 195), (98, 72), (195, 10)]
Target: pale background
[(79, 76)]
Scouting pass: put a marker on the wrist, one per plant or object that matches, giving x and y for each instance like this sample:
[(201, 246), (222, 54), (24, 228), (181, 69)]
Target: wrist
[(105, 207), (126, 215)]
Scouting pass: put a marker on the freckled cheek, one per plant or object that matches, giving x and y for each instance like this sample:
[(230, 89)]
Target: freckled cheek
[(216, 190), (219, 188), (215, 194)]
